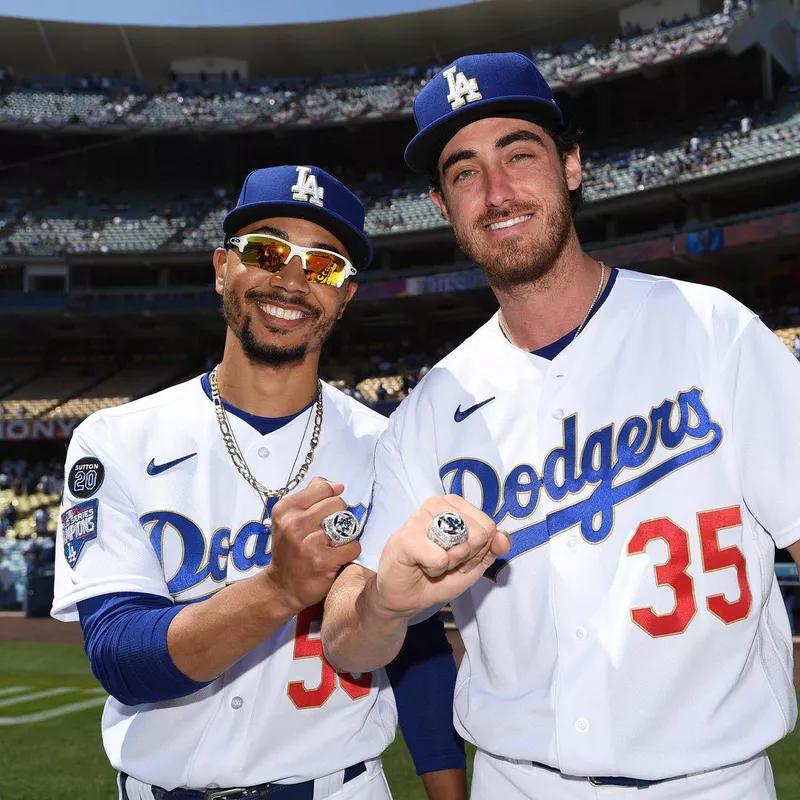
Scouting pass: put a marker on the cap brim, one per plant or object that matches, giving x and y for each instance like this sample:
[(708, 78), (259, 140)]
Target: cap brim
[(358, 245), (423, 150)]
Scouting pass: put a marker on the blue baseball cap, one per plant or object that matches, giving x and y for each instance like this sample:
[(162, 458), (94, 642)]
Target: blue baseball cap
[(474, 87), (308, 193)]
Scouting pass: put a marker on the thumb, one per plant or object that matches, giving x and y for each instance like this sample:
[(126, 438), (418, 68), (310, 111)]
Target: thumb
[(336, 487), (501, 544)]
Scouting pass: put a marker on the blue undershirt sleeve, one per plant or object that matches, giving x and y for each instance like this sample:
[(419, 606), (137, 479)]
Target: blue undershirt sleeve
[(125, 637), (423, 677)]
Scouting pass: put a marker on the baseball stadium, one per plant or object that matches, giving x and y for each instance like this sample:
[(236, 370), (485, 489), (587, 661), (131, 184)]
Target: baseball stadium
[(126, 134)]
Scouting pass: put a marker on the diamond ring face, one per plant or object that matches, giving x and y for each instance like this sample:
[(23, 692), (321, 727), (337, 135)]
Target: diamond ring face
[(340, 527), (448, 529)]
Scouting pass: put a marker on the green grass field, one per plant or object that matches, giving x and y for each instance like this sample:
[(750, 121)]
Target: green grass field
[(62, 758)]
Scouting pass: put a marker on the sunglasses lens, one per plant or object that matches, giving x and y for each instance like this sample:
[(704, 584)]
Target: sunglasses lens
[(265, 253), (272, 254), (326, 268)]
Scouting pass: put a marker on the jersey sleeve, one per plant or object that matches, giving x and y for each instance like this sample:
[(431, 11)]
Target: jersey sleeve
[(100, 546), (764, 380), (405, 476)]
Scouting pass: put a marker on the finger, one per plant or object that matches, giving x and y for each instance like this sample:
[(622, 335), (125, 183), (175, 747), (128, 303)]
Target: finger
[(319, 479), (430, 558), (478, 536), (317, 490), (501, 543), (481, 532), (314, 515), (498, 545), (458, 505), (480, 567), (345, 553), (333, 557), (464, 507), (477, 558), (480, 528)]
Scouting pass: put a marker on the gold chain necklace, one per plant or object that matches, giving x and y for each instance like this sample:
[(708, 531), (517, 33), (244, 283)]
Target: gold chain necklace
[(599, 291), (234, 451)]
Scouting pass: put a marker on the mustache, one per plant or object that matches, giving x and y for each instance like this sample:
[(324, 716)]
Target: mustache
[(289, 302), (506, 212)]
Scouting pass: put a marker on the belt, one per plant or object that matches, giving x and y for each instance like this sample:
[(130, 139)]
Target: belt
[(633, 783), (630, 783), (273, 791)]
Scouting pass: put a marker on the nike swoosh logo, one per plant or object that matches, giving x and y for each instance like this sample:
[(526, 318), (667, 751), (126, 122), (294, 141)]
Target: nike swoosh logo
[(460, 415), (157, 469)]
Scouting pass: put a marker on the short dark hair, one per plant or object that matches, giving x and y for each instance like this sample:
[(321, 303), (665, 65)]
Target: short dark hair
[(565, 140)]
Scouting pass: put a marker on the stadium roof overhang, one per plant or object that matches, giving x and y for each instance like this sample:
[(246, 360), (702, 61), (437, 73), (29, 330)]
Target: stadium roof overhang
[(374, 44)]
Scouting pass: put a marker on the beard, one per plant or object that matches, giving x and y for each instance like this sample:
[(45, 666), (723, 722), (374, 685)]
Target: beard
[(518, 260), (272, 354)]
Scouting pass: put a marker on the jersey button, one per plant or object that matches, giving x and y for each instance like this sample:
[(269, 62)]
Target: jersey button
[(263, 452), (237, 702), (572, 540), (558, 413), (581, 725), (581, 634)]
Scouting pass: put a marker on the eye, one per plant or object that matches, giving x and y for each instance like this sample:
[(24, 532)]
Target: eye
[(465, 173), (521, 156)]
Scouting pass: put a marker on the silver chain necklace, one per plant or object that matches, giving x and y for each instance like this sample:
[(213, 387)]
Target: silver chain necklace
[(235, 452), (599, 291)]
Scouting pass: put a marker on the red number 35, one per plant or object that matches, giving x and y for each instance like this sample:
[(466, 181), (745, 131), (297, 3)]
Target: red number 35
[(308, 646), (673, 572)]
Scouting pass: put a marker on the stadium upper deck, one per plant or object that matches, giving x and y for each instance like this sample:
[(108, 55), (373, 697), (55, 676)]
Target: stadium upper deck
[(374, 44), (229, 101)]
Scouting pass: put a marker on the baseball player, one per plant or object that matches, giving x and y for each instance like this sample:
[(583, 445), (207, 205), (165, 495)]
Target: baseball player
[(198, 538), (637, 440)]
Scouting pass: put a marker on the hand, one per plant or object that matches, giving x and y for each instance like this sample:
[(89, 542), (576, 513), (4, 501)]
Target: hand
[(415, 573), (304, 562)]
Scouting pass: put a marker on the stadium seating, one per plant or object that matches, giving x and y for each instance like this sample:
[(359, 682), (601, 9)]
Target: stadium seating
[(58, 109), (143, 224), (16, 372), (35, 398), (393, 384), (203, 236), (241, 104), (787, 335), (26, 505), (77, 225), (137, 379), (75, 390)]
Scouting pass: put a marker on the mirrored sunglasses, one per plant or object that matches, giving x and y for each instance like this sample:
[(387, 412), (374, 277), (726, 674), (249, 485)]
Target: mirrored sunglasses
[(272, 254)]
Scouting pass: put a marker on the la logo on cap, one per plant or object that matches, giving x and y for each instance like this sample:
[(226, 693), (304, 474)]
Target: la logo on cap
[(307, 187), (462, 89)]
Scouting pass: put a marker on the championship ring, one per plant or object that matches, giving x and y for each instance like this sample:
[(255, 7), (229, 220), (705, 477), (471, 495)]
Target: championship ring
[(340, 527), (447, 530)]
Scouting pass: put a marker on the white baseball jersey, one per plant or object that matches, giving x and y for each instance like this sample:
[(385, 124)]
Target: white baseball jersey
[(153, 504), (645, 475)]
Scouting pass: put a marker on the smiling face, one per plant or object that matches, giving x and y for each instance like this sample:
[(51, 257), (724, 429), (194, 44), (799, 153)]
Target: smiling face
[(279, 318), (505, 190)]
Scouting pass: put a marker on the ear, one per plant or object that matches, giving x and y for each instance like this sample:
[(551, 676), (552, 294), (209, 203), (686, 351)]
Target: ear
[(350, 288), (220, 261), (438, 199), (572, 168)]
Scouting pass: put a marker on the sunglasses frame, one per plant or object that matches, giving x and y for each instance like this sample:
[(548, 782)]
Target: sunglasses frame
[(239, 242)]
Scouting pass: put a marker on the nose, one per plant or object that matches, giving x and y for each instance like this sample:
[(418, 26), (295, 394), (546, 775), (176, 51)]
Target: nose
[(498, 189), (291, 277)]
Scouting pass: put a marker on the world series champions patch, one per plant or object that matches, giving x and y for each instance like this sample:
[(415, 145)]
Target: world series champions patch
[(86, 477), (78, 526)]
